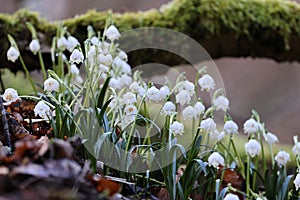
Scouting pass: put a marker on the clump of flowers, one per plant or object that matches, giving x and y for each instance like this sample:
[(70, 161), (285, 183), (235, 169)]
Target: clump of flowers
[(110, 105)]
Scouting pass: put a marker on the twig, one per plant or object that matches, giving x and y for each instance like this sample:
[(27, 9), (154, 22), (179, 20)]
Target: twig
[(5, 124)]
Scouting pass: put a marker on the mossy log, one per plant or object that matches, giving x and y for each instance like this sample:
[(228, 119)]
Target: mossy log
[(225, 28)]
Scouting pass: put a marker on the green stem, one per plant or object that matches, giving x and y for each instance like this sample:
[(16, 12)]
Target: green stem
[(42, 65), (28, 76), (248, 176)]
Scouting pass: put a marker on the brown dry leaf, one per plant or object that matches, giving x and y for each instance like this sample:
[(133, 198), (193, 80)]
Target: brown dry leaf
[(104, 185), (163, 194), (233, 178)]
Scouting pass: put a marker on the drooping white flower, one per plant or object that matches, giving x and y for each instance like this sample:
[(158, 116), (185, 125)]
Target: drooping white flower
[(74, 70), (43, 110), (214, 135), (105, 59), (72, 42), (221, 135), (230, 127), (189, 113), (282, 158), (105, 47), (251, 126), (103, 69), (169, 108), (51, 85), (208, 124), (206, 82), (164, 92), (215, 160), (296, 149), (78, 80), (271, 138), (176, 128), (76, 56), (34, 46), (116, 103), (297, 181), (183, 97), (10, 95), (188, 86), (13, 54), (112, 33), (115, 83), (130, 109), (91, 54), (221, 102), (199, 107), (125, 80), (231, 196), (62, 43), (141, 91), (129, 98), (252, 147), (153, 94), (123, 55), (134, 86), (121, 65), (95, 41)]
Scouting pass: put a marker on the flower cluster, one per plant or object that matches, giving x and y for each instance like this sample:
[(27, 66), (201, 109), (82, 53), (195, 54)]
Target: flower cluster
[(123, 102)]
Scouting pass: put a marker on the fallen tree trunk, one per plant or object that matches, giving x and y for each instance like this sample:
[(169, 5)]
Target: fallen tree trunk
[(225, 28)]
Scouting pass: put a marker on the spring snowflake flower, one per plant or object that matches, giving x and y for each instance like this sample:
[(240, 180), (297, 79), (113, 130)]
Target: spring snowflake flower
[(183, 97), (153, 94), (252, 148), (51, 85), (103, 69), (189, 113), (112, 33), (296, 149), (10, 95), (34, 46), (91, 53), (164, 92), (130, 109), (188, 86), (297, 181), (115, 83), (221, 102), (72, 42), (74, 70), (231, 197), (207, 83), (62, 43), (208, 124), (230, 127), (176, 128), (41, 109), (76, 56), (124, 67), (271, 138), (251, 126), (123, 55), (216, 135), (125, 80), (95, 41), (116, 103), (282, 158), (13, 54), (105, 59), (169, 108), (134, 86), (200, 108), (129, 98), (215, 160)]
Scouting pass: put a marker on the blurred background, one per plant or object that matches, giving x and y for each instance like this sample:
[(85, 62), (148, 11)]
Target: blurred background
[(271, 88)]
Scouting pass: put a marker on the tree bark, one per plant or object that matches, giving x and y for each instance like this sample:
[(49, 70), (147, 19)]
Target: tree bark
[(225, 28)]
